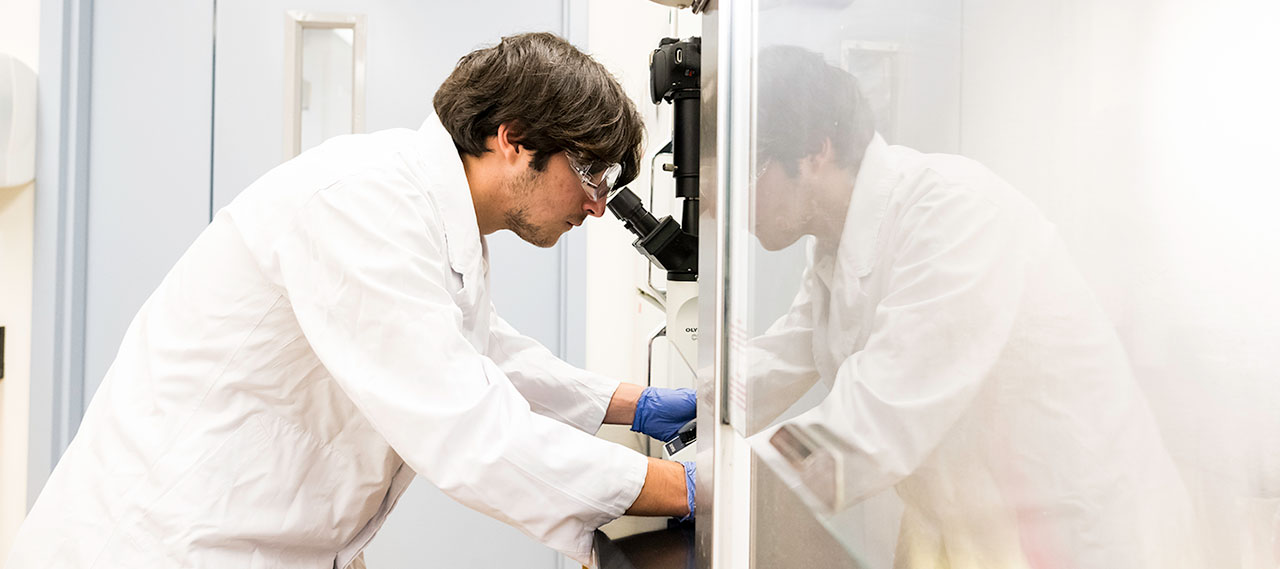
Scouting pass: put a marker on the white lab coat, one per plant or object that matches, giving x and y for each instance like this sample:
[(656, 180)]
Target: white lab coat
[(327, 336), (971, 369)]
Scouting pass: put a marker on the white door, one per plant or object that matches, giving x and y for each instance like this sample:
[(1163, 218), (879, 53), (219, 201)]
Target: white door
[(411, 46)]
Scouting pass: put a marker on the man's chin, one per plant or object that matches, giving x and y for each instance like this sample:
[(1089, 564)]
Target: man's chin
[(543, 239), (547, 243), (772, 242)]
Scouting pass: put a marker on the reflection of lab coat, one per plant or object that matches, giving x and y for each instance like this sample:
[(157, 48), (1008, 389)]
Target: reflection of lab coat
[(326, 337), (971, 369)]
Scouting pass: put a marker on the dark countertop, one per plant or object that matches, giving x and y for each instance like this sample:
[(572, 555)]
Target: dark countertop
[(669, 548)]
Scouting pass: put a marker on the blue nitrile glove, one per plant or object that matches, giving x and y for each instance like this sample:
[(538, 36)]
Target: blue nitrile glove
[(690, 487), (661, 412)]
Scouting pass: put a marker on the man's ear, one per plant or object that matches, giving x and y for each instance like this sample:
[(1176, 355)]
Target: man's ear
[(507, 146), (823, 158)]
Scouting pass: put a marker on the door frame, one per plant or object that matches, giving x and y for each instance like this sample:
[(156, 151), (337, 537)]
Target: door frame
[(61, 234), (725, 476)]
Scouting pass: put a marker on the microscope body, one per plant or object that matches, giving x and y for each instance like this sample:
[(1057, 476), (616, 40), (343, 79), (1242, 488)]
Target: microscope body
[(674, 77), (682, 320)]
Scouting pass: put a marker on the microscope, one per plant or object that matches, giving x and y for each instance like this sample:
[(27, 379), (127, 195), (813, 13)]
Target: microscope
[(674, 77)]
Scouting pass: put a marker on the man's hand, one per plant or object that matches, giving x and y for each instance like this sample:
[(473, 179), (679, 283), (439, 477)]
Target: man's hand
[(668, 490), (660, 412), (655, 411)]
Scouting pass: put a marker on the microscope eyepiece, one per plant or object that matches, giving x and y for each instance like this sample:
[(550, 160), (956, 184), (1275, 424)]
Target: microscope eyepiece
[(660, 240), (628, 207)]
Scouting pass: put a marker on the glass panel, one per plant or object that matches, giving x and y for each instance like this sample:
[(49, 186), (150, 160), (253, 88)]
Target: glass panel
[(328, 80), (1010, 283)]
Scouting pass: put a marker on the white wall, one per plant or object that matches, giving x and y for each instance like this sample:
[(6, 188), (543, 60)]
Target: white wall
[(19, 26)]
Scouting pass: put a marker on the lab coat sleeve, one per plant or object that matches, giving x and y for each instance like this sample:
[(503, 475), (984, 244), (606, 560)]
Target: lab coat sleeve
[(364, 266), (780, 366), (955, 283), (552, 387)]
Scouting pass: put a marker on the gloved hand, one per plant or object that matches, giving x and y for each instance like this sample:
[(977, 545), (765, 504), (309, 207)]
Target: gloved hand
[(661, 412), (691, 489)]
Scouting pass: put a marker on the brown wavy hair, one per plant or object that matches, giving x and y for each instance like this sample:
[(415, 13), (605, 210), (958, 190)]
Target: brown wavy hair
[(552, 97)]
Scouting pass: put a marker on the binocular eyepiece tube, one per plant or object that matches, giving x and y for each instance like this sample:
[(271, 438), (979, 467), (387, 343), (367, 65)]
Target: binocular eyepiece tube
[(628, 207)]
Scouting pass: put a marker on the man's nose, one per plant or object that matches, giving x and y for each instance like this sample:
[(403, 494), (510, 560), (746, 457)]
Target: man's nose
[(594, 208)]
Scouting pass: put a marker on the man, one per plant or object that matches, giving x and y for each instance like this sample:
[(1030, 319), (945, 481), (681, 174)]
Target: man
[(967, 363), (330, 334)]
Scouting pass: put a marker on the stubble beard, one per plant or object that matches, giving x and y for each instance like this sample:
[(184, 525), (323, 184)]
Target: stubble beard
[(520, 189), (517, 218)]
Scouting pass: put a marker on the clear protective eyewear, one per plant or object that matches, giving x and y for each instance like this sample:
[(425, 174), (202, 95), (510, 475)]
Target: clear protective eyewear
[(600, 184)]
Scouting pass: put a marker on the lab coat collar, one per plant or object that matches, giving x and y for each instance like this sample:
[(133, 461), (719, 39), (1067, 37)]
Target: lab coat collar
[(452, 195), (872, 188)]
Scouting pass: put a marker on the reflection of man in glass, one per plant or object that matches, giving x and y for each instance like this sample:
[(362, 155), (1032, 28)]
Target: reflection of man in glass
[(969, 365)]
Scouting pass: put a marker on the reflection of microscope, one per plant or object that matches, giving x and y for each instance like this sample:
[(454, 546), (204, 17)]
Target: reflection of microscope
[(674, 76)]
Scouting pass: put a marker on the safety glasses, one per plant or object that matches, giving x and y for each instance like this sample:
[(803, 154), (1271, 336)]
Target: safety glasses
[(598, 184)]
